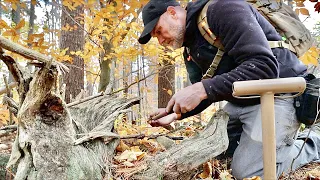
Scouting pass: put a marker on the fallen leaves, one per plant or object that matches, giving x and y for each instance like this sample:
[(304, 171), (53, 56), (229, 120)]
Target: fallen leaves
[(129, 156), (129, 161), (214, 170), (207, 171), (253, 178), (313, 175), (122, 147)]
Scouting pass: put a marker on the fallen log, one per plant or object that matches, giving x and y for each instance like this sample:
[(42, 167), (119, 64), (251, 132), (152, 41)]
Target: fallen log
[(181, 161)]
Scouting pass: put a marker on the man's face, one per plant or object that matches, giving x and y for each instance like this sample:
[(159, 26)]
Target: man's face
[(169, 31)]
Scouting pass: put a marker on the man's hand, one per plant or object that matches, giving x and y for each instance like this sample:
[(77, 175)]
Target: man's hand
[(162, 118), (159, 113), (187, 99), (164, 121)]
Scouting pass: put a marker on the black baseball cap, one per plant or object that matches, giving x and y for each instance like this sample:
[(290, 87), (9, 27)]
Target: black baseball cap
[(151, 13)]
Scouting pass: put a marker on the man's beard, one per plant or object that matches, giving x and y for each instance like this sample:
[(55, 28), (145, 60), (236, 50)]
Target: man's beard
[(178, 34)]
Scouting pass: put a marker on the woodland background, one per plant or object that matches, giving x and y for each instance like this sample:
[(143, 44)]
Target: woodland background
[(97, 40)]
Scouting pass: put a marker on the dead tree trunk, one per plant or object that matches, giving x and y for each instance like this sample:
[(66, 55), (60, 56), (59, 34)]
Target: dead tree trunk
[(76, 141), (47, 146)]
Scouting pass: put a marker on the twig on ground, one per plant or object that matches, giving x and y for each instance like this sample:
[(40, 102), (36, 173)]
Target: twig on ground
[(6, 132), (14, 127), (153, 136)]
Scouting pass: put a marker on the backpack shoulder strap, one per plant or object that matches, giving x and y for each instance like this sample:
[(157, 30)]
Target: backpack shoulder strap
[(204, 28), (212, 39)]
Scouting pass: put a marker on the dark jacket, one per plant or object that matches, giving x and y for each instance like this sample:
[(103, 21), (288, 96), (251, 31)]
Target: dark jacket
[(244, 33)]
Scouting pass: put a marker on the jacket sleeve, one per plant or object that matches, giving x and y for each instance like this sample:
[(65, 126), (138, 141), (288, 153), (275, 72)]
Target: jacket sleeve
[(202, 106), (235, 23)]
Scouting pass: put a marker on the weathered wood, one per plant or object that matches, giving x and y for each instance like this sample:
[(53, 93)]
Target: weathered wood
[(9, 127), (6, 132), (28, 53), (44, 148), (9, 100), (85, 99), (180, 161), (98, 115), (22, 77)]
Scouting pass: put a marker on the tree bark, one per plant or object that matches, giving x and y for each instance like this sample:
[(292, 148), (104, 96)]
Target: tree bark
[(74, 40), (15, 13), (105, 74), (32, 17), (181, 161), (166, 82), (45, 146)]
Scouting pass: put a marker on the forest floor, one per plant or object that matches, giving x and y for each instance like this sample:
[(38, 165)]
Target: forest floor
[(130, 153)]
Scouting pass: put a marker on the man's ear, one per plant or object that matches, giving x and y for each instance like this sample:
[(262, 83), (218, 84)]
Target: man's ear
[(172, 12)]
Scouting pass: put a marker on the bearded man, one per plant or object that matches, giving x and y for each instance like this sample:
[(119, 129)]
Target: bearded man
[(244, 33)]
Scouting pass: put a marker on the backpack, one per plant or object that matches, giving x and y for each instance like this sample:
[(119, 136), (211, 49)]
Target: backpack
[(295, 36), (307, 105)]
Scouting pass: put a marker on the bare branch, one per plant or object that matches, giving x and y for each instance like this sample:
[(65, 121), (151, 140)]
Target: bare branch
[(11, 86), (153, 136), (14, 127), (6, 132), (127, 87), (14, 68), (28, 53), (84, 100)]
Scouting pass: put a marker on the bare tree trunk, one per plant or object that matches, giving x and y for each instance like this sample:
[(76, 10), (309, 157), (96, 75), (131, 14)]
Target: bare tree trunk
[(139, 90), (107, 46), (32, 17), (15, 16), (105, 73), (89, 89), (15, 13), (74, 40), (166, 83), (125, 85), (145, 104)]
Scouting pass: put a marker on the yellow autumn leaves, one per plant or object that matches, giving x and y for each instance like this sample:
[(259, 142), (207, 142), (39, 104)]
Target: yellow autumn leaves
[(311, 56)]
